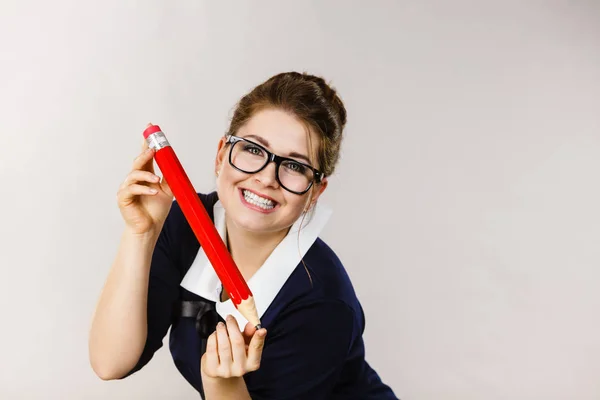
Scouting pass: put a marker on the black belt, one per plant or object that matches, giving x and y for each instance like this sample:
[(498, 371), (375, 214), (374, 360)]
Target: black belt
[(205, 314)]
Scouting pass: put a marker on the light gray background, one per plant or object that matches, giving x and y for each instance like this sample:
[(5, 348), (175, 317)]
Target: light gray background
[(466, 201)]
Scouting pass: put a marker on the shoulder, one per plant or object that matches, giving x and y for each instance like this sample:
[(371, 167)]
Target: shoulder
[(329, 276), (321, 286)]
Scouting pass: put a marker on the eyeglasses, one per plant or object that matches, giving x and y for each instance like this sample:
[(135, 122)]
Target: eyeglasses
[(250, 158)]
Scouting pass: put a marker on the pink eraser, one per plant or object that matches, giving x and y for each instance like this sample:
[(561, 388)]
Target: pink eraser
[(150, 130)]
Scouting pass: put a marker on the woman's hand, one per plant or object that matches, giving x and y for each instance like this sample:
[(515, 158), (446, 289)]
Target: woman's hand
[(144, 201), (231, 353)]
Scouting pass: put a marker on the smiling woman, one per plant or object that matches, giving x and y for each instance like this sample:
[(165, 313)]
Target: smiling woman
[(247, 176), (271, 166)]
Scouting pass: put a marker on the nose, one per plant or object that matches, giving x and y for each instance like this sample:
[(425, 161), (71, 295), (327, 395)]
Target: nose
[(266, 176)]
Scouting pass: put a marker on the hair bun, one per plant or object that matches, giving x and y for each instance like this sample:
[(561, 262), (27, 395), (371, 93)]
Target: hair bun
[(330, 93)]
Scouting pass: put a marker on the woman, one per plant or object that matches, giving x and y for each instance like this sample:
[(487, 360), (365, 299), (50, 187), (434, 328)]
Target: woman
[(271, 167)]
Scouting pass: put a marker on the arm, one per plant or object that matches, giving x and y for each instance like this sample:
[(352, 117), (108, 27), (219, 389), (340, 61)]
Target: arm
[(225, 388), (119, 326), (123, 333), (137, 313)]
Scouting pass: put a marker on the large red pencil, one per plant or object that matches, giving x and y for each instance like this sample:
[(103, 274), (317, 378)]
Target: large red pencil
[(202, 225)]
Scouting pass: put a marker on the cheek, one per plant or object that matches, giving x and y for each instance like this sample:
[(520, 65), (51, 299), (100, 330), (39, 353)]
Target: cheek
[(227, 179), (231, 176), (295, 203)]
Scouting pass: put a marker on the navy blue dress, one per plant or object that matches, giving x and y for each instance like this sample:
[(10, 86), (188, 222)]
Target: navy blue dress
[(314, 347)]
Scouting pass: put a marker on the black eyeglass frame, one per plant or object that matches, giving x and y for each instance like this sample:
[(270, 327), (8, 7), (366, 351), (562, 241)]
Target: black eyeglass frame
[(271, 157)]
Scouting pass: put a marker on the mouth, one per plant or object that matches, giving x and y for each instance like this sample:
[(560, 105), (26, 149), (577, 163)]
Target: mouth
[(257, 202)]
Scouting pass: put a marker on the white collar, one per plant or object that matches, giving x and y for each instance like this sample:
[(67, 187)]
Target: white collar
[(202, 280)]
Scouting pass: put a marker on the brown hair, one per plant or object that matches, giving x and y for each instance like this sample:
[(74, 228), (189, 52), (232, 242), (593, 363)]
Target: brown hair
[(310, 99)]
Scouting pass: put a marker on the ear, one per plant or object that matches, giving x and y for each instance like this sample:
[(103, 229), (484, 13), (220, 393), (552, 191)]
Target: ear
[(221, 153), (320, 189)]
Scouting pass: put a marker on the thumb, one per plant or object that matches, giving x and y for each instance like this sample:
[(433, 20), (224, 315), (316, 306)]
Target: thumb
[(164, 185), (255, 349)]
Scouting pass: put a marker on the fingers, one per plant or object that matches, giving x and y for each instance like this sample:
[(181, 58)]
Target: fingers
[(127, 193), (164, 185), (133, 185), (249, 330), (145, 145), (255, 349), (144, 161), (144, 141), (140, 176), (138, 190), (224, 350), (238, 345), (227, 355), (211, 356)]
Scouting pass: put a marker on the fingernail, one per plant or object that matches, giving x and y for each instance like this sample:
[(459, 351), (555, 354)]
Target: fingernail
[(153, 191), (221, 325), (155, 178)]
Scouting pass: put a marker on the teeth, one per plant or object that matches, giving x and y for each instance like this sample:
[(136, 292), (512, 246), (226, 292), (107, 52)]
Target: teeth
[(258, 201)]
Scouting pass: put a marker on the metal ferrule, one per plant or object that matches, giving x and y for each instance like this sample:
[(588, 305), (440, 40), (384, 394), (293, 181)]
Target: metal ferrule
[(157, 141)]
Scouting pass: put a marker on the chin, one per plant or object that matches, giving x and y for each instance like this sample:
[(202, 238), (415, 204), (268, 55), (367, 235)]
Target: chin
[(251, 225)]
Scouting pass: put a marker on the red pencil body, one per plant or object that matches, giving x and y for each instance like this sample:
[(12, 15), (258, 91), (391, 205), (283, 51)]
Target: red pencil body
[(196, 215)]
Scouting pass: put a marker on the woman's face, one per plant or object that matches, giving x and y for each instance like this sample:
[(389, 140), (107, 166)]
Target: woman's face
[(282, 134)]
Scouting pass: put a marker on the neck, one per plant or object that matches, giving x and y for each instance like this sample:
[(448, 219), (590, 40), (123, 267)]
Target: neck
[(250, 250)]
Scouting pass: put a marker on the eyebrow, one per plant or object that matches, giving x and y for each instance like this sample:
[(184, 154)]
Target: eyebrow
[(265, 143)]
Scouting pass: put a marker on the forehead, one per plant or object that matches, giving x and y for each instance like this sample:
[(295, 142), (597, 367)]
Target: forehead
[(283, 131)]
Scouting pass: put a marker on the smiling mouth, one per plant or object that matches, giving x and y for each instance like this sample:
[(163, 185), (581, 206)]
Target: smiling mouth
[(258, 201)]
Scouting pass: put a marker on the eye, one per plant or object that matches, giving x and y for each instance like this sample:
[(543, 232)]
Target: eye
[(254, 150), (295, 167)]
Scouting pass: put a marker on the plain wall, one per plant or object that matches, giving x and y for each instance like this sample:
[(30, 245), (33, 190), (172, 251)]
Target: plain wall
[(466, 202)]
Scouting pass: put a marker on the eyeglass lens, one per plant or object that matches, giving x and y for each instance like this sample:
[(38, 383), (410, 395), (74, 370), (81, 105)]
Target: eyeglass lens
[(250, 158)]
